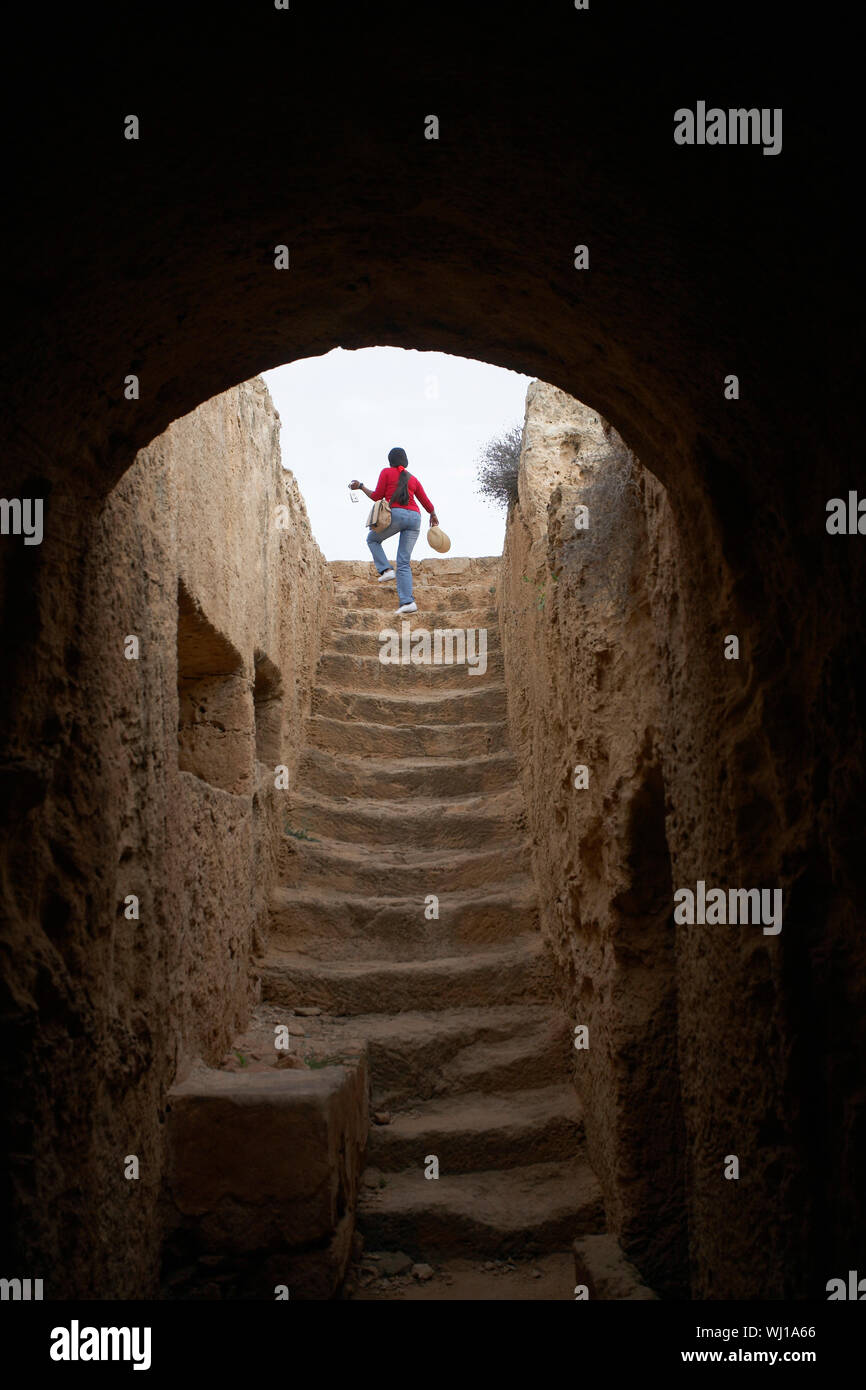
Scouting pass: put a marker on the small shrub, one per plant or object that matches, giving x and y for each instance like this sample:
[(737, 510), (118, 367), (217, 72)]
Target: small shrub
[(499, 462)]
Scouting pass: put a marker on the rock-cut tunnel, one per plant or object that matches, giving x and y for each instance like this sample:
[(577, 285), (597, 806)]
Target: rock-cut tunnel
[(153, 259)]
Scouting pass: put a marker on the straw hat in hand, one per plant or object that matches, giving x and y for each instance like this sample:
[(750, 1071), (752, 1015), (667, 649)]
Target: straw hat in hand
[(437, 538)]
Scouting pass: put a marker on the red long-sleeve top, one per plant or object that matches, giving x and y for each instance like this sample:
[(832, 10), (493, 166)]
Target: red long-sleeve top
[(387, 486)]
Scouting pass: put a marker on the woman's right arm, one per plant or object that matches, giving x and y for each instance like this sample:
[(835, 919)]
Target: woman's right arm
[(373, 496), (380, 488)]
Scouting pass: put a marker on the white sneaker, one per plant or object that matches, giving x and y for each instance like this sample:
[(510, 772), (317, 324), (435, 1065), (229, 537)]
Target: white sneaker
[(387, 574), (407, 607)]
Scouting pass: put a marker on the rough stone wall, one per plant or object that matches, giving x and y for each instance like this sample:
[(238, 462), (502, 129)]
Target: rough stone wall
[(697, 770), (583, 690), (190, 555)]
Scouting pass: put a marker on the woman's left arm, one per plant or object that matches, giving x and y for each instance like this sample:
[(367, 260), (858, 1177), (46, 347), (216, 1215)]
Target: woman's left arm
[(425, 500)]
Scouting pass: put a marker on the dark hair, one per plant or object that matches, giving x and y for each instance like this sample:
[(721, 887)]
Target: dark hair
[(397, 459)]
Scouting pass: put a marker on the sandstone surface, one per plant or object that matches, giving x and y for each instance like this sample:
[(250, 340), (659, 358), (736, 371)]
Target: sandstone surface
[(143, 791)]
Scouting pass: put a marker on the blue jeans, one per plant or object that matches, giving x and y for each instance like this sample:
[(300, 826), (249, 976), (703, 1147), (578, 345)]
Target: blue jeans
[(408, 524)]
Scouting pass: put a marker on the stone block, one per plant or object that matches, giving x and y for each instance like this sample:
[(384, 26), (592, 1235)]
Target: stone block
[(458, 564), (600, 1264), (268, 1160)]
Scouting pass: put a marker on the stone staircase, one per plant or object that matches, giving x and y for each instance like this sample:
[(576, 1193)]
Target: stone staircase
[(407, 791)]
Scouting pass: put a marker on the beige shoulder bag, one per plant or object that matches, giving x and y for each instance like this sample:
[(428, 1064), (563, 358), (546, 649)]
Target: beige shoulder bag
[(380, 516)]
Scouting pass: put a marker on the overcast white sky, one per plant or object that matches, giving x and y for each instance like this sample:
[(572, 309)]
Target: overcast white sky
[(341, 413)]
